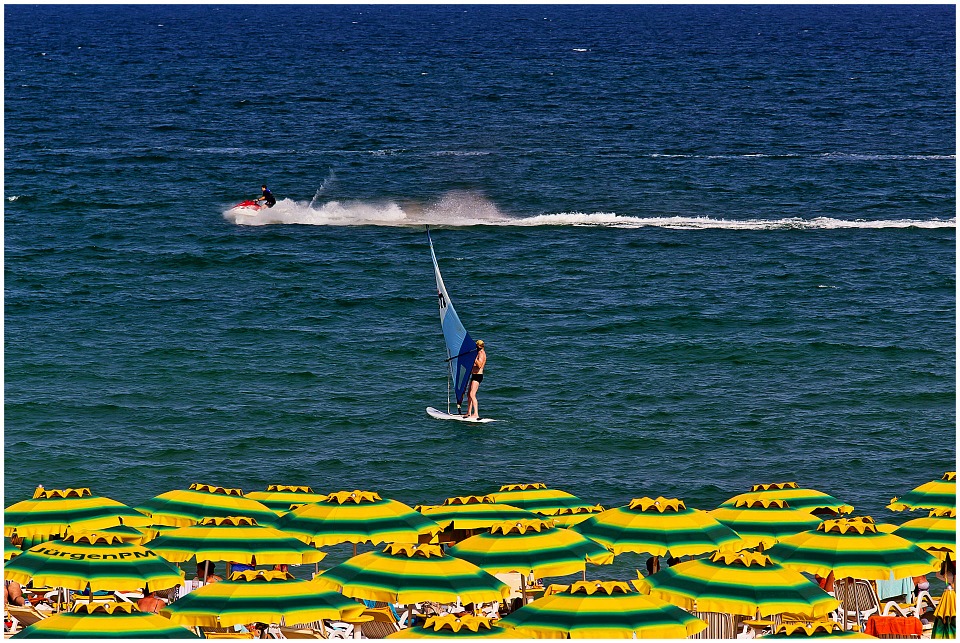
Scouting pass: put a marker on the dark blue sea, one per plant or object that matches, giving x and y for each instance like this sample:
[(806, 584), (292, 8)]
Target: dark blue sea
[(706, 246)]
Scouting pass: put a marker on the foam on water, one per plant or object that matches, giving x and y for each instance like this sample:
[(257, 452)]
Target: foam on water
[(465, 209)]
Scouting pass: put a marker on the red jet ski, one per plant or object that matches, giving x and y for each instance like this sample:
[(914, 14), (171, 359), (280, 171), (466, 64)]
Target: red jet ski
[(247, 205)]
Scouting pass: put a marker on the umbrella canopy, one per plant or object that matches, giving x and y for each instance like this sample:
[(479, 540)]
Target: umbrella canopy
[(103, 561), (472, 512), (407, 573), (259, 596), (536, 497), (10, 550), (816, 630), (738, 583), (137, 536), (656, 527), (456, 627), (185, 507), (936, 494), (937, 533), (762, 521), (236, 539), (597, 609), (279, 497), (531, 546), (51, 511), (945, 616), (356, 517), (809, 500), (574, 516), (852, 548), (99, 621)]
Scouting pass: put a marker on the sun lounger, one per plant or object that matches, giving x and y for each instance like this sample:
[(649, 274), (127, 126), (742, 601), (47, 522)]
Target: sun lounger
[(23, 616), (719, 626)]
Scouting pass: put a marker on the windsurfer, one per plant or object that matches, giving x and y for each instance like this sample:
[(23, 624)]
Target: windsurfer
[(473, 408)]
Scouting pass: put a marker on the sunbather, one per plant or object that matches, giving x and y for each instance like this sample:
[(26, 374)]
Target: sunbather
[(12, 594), (206, 572), (151, 603)]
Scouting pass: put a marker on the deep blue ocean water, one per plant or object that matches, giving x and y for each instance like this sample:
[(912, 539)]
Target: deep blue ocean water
[(707, 246)]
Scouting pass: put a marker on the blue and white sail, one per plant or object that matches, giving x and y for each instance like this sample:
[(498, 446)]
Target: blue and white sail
[(461, 350)]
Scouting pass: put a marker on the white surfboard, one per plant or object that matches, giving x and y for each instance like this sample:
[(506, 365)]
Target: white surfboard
[(440, 415)]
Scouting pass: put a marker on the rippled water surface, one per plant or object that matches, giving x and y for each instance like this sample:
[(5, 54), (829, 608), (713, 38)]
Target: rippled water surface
[(706, 247)]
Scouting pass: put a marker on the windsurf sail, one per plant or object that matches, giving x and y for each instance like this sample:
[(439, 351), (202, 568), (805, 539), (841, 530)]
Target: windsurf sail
[(461, 350)]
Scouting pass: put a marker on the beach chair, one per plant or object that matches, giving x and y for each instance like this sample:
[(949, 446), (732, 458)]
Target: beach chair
[(322, 629), (23, 617), (859, 600), (291, 633), (384, 621), (719, 626)]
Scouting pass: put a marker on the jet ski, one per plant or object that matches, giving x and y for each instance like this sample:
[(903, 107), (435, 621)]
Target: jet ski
[(251, 206)]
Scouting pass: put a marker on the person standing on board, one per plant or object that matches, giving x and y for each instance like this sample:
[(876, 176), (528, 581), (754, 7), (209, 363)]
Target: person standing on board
[(473, 408), (267, 197)]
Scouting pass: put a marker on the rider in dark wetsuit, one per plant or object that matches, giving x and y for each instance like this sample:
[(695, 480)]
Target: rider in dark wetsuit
[(267, 197)]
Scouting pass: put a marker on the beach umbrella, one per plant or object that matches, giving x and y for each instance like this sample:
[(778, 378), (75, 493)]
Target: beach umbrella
[(809, 500), (854, 548), (105, 621), (597, 609), (536, 497), (356, 517), (531, 547), (945, 616), (656, 526), (454, 626), (51, 511), (408, 573), (137, 536), (737, 583), (10, 550), (937, 533), (472, 512), (279, 497), (185, 507), (103, 561), (815, 630), (259, 596), (936, 494), (761, 521), (236, 539), (574, 516)]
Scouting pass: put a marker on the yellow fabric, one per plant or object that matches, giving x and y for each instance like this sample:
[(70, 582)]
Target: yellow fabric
[(79, 492), (355, 496), (948, 605), (208, 488), (660, 504)]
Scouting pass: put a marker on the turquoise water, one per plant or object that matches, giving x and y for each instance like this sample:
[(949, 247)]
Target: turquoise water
[(701, 258)]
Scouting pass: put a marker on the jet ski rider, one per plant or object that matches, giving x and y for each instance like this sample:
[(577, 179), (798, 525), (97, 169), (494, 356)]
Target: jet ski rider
[(267, 197)]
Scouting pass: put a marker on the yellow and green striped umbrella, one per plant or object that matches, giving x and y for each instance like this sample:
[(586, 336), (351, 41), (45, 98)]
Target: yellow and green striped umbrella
[(945, 616), (815, 630), (656, 527), (10, 550), (936, 494), (99, 621), (51, 511), (601, 610), (356, 517), (574, 516), (762, 521), (472, 512), (531, 546), (454, 627), (137, 536), (236, 539), (279, 497), (536, 497), (408, 573), (103, 561), (809, 500), (185, 507), (737, 583), (937, 533), (259, 596), (852, 547)]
